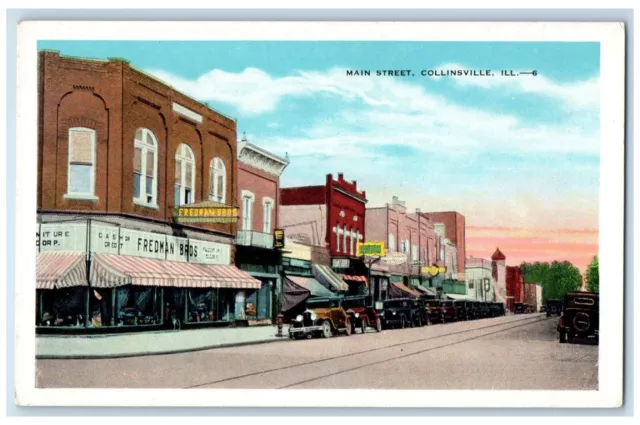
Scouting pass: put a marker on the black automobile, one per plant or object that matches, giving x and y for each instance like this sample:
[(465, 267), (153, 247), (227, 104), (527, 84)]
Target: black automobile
[(580, 317), (434, 310), (461, 309), (494, 309), (448, 311), (422, 315), (399, 313), (472, 310), (554, 307), (502, 310), (519, 308)]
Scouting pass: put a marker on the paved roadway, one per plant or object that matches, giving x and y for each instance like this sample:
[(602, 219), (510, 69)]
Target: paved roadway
[(512, 352)]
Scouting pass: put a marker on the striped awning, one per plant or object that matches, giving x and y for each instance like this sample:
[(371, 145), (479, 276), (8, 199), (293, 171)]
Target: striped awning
[(110, 270), (328, 277), (60, 270), (350, 278), (406, 289), (314, 287)]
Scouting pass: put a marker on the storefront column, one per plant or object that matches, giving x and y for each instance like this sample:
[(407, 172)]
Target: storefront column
[(240, 300)]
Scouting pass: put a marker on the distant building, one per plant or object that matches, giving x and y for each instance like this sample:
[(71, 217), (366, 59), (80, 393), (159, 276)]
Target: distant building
[(479, 281), (499, 275), (515, 287), (455, 232)]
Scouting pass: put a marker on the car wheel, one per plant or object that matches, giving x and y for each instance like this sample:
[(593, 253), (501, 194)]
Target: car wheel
[(378, 325), (442, 320), (403, 322), (563, 337), (326, 330), (348, 329), (412, 322), (363, 326), (352, 326), (419, 321)]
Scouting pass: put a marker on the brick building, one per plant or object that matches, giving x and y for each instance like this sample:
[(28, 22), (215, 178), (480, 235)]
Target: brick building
[(259, 174), (408, 234), (454, 223), (331, 215), (515, 287), (118, 151), (499, 275)]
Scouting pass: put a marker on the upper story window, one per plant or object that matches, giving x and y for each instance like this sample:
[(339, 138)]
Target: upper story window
[(353, 241), (247, 210), (337, 230), (414, 252), (392, 243), (345, 247), (145, 168), (185, 177), (218, 180), (267, 204), (82, 163)]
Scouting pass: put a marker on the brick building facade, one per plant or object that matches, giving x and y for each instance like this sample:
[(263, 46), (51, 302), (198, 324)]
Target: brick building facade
[(454, 231), (118, 150), (515, 287)]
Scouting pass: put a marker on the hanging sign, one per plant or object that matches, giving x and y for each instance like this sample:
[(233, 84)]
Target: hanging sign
[(434, 270), (371, 249), (278, 238)]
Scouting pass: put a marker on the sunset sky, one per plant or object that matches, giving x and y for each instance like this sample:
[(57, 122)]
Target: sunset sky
[(517, 156)]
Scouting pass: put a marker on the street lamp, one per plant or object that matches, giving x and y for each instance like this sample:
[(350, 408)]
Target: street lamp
[(487, 286)]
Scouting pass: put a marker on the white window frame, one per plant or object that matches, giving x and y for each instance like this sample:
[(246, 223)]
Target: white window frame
[(352, 235), (143, 164), (392, 243), (345, 246), (338, 231), (247, 216), (183, 173), (217, 167), (267, 207), (91, 195), (414, 253)]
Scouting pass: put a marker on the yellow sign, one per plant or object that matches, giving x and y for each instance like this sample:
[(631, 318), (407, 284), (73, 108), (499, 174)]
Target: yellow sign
[(434, 270), (372, 249), (278, 241), (206, 212)]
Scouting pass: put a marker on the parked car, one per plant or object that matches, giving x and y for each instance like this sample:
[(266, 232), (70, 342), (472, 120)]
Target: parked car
[(543, 308), (398, 312), (448, 311), (461, 310), (323, 317), (554, 307), (434, 311), (580, 317), (472, 310), (422, 312), (361, 314), (502, 309), (519, 308), (494, 309)]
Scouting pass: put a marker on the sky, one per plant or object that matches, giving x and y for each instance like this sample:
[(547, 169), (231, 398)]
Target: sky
[(518, 156)]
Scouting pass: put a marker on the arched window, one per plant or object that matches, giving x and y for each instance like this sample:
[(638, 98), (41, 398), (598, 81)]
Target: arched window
[(218, 180), (247, 209), (145, 168), (185, 176), (82, 163)]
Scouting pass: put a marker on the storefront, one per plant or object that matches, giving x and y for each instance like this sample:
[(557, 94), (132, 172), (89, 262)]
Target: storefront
[(263, 265), (353, 273), (136, 280)]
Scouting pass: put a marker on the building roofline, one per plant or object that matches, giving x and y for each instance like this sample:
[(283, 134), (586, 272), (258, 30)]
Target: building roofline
[(245, 144)]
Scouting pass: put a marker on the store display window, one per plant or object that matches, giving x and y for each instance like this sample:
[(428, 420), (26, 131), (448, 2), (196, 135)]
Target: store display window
[(61, 307)]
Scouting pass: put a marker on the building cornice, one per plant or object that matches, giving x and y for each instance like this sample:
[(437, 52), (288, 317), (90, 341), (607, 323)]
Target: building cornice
[(261, 159)]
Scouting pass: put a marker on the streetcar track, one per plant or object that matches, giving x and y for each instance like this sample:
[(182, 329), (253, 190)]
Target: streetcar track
[(530, 319), (403, 356)]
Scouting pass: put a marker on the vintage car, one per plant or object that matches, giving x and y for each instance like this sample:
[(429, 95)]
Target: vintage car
[(361, 314), (580, 317), (422, 314), (501, 309), (485, 310), (434, 311), (519, 308), (494, 309), (448, 311), (554, 307), (399, 312), (462, 313), (322, 317)]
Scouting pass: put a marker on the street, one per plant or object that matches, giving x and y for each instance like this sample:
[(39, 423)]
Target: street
[(511, 352)]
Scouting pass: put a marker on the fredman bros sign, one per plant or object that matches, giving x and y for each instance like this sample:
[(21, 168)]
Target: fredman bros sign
[(115, 240)]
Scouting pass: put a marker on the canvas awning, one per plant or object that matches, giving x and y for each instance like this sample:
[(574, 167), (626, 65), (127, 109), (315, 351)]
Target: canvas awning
[(111, 270), (314, 287), (360, 279), (458, 297), (328, 278), (60, 270), (398, 290)]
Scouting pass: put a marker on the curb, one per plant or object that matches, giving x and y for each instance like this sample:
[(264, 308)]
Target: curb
[(156, 353)]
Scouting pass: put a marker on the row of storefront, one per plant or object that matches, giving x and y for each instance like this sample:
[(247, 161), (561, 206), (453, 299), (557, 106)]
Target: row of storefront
[(94, 275)]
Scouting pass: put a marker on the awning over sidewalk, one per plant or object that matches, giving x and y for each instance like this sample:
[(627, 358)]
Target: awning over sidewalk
[(458, 297), (359, 279), (110, 270), (398, 290), (314, 287), (328, 278), (60, 270)]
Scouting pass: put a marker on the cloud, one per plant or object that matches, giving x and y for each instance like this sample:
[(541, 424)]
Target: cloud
[(579, 95)]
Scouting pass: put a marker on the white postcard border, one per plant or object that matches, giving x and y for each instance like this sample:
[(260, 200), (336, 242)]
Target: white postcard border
[(610, 35)]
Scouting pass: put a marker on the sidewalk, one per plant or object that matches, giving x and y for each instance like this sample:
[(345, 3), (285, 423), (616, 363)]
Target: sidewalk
[(151, 343)]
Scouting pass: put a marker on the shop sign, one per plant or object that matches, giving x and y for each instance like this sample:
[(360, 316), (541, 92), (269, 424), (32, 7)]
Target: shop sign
[(278, 238), (61, 237), (340, 263), (206, 212), (297, 250), (434, 270), (372, 249)]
